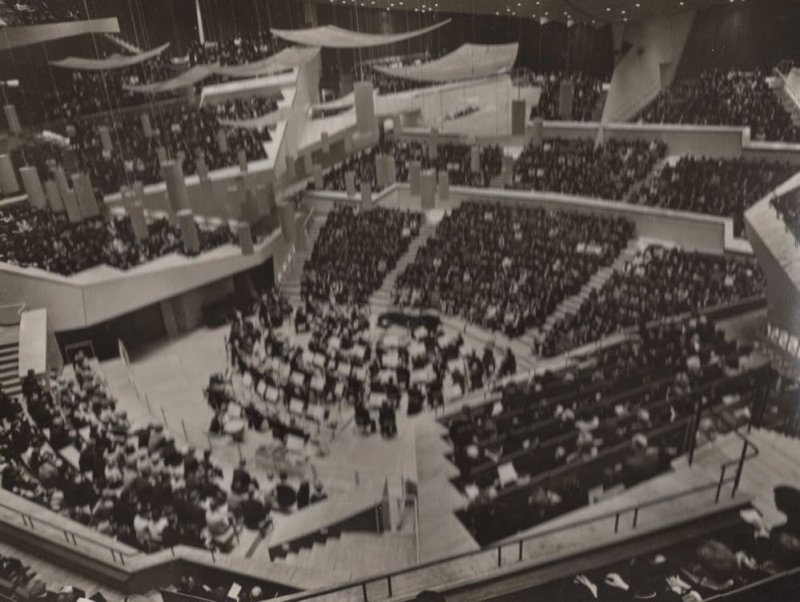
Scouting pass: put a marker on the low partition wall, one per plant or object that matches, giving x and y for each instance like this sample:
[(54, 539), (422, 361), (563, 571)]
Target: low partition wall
[(323, 201), (103, 293)]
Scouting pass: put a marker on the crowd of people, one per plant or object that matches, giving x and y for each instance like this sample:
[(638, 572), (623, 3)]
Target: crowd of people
[(36, 12), (657, 284), (454, 158), (354, 251), (787, 207), (47, 240), (507, 268), (585, 98), (616, 416), (180, 130), (237, 50), (697, 568), (723, 187), (20, 581), (607, 171), (69, 447), (740, 98)]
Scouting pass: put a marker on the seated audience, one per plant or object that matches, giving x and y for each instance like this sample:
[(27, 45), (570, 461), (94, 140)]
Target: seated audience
[(723, 187), (507, 268), (657, 284), (740, 98), (585, 99), (787, 208)]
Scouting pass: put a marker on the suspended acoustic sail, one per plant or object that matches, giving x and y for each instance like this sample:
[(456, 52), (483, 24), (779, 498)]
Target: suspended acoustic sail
[(114, 61), (330, 36), (468, 61), (285, 59), (185, 80)]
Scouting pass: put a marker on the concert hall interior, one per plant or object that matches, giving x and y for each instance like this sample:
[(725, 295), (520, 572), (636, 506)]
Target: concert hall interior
[(365, 300)]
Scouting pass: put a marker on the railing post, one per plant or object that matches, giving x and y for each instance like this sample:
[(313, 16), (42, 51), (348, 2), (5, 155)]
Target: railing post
[(389, 584), (520, 550), (499, 555), (693, 435), (635, 516), (739, 469), (364, 591), (616, 524), (719, 485)]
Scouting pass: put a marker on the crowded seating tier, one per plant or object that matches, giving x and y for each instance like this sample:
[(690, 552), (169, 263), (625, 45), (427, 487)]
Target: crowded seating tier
[(37, 12), (47, 240), (586, 96), (720, 187), (787, 208), (507, 268), (354, 251), (736, 98), (617, 417), (656, 284)]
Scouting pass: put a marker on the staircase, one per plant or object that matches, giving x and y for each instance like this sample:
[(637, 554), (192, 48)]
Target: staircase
[(655, 173), (9, 368), (571, 305), (356, 553), (290, 285), (122, 43), (382, 298)]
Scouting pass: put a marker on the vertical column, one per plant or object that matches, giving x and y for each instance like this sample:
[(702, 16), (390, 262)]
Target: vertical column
[(176, 186), (201, 167), (318, 180), (147, 127), (537, 129), (391, 171), (242, 161), (161, 154), (508, 169), (444, 185), (33, 187), (308, 165), (71, 205), (365, 108), (433, 144), (348, 145), (350, 183), (54, 199), (286, 217), (8, 179), (245, 238), (366, 196), (235, 200), (12, 119), (326, 142), (475, 159), (61, 180), (84, 191), (427, 189), (189, 233), (290, 168), (250, 213), (414, 174), (517, 117), (380, 170), (222, 141), (105, 138), (566, 92), (138, 221)]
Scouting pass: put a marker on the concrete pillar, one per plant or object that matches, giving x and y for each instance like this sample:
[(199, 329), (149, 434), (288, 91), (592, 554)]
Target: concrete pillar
[(518, 117), (414, 174), (391, 171), (427, 189), (222, 141), (318, 179), (350, 183), (8, 179), (245, 238), (365, 107), (381, 170), (61, 180), (12, 119), (366, 196), (161, 153), (444, 185), (242, 161), (566, 93), (71, 205), (235, 199), (201, 167), (176, 186), (537, 137), (433, 144), (105, 138), (250, 212), (475, 159), (189, 233), (326, 142), (84, 192), (348, 145), (54, 199), (33, 187), (286, 217), (138, 221), (508, 169), (147, 127), (308, 165)]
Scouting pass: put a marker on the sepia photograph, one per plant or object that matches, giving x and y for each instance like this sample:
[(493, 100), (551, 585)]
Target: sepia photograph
[(399, 300)]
